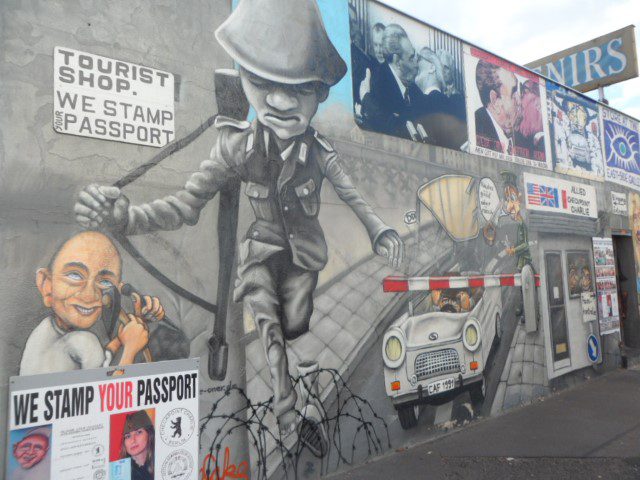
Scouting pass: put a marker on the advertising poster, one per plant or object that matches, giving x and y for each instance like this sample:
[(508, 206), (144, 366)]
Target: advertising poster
[(421, 100), (606, 285), (575, 133), (619, 204), (621, 149), (138, 423), (506, 110), (549, 194), (101, 97)]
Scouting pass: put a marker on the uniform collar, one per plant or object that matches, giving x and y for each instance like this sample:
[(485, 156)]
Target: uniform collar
[(299, 147)]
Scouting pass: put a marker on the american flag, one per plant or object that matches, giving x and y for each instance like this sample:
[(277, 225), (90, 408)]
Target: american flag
[(542, 195)]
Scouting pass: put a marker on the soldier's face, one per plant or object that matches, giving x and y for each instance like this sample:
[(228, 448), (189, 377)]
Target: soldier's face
[(512, 202), (284, 109)]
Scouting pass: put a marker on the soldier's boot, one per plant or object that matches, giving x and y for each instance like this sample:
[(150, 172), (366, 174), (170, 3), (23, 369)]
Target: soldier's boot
[(284, 395), (311, 430)]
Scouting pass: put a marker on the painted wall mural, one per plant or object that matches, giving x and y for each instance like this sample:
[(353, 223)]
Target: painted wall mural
[(407, 78), (621, 148), (302, 301), (506, 108), (575, 133)]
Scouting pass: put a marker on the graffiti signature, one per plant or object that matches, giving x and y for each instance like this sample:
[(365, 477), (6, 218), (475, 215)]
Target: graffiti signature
[(229, 470)]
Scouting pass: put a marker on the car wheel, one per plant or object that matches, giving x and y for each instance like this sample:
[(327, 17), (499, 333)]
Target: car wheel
[(408, 416), (477, 393)]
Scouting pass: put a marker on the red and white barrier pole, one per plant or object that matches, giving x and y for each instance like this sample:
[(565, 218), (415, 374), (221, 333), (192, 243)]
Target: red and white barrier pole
[(410, 284)]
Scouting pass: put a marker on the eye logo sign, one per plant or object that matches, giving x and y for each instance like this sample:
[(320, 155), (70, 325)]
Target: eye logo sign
[(177, 427), (433, 336)]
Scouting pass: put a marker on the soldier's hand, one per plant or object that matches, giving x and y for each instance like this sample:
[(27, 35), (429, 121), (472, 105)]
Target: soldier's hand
[(390, 245), (148, 308), (102, 207)]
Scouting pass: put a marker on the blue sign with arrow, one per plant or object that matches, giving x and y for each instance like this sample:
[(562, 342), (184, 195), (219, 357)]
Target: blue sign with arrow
[(593, 348)]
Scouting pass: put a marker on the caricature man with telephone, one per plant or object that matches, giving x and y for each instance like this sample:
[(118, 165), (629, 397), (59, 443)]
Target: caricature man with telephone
[(74, 286)]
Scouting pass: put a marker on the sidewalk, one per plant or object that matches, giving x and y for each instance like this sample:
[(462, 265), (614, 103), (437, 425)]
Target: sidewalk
[(591, 431)]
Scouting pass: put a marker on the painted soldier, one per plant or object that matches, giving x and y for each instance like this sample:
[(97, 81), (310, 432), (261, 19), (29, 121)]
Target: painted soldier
[(286, 70), (513, 207)]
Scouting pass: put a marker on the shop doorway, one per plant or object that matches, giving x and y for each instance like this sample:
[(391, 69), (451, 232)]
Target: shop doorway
[(627, 294), (566, 271)]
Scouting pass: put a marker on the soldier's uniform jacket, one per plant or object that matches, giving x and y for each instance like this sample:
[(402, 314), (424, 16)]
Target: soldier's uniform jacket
[(521, 249), (283, 189)]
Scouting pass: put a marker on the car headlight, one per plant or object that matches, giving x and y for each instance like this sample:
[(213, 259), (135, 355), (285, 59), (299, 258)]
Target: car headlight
[(393, 349), (471, 335)]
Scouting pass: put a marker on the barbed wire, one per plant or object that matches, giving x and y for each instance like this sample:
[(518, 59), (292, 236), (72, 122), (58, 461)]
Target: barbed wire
[(254, 418)]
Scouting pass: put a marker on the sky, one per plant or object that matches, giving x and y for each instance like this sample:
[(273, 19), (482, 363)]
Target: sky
[(525, 31)]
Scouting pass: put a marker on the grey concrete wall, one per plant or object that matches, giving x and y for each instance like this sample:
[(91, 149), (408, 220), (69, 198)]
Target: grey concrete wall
[(42, 171)]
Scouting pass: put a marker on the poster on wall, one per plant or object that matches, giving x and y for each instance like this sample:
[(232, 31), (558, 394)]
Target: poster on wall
[(549, 194), (420, 100), (606, 285), (619, 204), (100, 97), (580, 276), (138, 422), (506, 110), (575, 133), (589, 307), (621, 149)]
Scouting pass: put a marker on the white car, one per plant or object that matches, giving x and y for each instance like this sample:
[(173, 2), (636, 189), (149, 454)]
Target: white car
[(440, 348)]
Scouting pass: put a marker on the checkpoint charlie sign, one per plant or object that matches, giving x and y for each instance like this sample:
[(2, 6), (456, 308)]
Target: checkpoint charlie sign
[(557, 195), (100, 97), (597, 63), (94, 424)]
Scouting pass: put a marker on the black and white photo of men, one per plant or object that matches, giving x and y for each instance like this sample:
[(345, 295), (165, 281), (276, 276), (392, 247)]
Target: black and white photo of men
[(417, 91)]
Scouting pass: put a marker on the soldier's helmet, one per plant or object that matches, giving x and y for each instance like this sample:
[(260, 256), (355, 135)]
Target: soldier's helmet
[(281, 40)]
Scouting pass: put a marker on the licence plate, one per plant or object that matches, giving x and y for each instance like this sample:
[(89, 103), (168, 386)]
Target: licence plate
[(441, 386)]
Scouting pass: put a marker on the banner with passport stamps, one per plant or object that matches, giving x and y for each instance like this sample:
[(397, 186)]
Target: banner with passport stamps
[(117, 424)]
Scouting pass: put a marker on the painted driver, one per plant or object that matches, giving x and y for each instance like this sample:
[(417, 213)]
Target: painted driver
[(286, 71)]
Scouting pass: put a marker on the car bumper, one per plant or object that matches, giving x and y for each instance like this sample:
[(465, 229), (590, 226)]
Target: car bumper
[(419, 395)]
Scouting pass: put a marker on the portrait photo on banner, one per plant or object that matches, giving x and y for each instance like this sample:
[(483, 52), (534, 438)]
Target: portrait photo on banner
[(132, 445), (29, 453)]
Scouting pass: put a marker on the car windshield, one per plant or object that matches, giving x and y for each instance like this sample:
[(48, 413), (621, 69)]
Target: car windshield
[(450, 300)]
